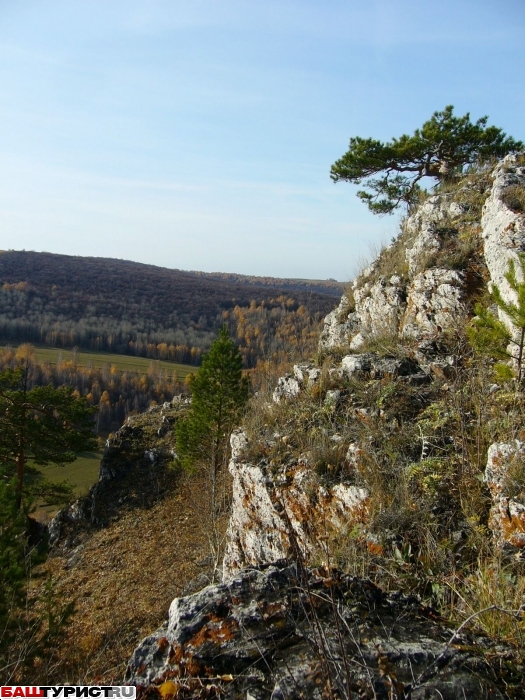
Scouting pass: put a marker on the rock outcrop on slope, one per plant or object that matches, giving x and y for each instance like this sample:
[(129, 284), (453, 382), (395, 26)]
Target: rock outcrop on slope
[(273, 513), (507, 515), (280, 509), (281, 631), (134, 471), (502, 227), (419, 298), (361, 455)]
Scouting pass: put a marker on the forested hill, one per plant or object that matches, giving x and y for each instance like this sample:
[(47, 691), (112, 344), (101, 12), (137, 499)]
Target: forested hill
[(330, 286), (127, 307)]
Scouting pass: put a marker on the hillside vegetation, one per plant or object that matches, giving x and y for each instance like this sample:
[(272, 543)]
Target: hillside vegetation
[(147, 311), (375, 495), (116, 391), (393, 457), (398, 453), (329, 286)]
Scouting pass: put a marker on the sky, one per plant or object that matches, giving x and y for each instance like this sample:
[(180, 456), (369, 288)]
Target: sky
[(199, 134)]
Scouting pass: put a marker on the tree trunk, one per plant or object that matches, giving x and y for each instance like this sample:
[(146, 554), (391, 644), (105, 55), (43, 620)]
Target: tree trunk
[(21, 456), (520, 353), (20, 468)]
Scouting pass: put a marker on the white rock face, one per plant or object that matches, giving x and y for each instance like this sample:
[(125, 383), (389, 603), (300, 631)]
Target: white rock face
[(287, 387), (422, 224), (238, 442), (357, 341), (353, 455), (434, 303), (338, 327), (304, 375), (350, 364), (420, 309), (507, 515), (380, 306), (272, 514), (503, 231)]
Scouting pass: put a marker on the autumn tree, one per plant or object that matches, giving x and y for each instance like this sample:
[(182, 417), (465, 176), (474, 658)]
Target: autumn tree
[(442, 148)]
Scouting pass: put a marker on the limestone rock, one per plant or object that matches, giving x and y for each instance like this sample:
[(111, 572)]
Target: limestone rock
[(134, 472), (423, 224), (507, 515), (238, 443), (276, 511), (380, 306), (287, 387), (338, 327), (434, 303), (356, 364), (507, 522), (377, 367), (304, 375), (503, 230), (353, 455), (282, 631), (389, 305), (357, 341)]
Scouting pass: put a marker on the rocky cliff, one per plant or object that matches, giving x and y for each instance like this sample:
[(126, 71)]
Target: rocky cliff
[(135, 471), (394, 456), (420, 293)]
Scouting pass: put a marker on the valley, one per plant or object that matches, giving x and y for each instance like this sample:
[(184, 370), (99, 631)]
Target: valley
[(379, 477), (123, 307)]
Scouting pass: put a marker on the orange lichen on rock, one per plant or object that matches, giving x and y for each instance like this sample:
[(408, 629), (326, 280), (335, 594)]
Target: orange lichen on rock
[(507, 520), (217, 630), (507, 515), (375, 548)]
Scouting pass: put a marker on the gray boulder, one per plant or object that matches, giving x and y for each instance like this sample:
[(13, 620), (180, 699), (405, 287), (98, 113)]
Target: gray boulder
[(282, 631)]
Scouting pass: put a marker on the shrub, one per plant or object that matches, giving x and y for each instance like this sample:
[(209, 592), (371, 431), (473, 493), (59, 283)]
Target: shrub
[(514, 198)]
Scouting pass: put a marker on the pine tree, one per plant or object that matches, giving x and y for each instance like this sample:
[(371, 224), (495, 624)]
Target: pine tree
[(31, 620), (12, 555), (440, 149), (39, 426), (219, 393)]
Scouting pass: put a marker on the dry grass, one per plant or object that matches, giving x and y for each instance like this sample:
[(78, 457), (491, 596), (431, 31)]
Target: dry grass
[(514, 198), (494, 582), (422, 456), (390, 260), (123, 581)]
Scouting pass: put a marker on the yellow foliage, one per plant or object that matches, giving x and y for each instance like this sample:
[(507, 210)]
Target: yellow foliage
[(168, 689), (25, 352)]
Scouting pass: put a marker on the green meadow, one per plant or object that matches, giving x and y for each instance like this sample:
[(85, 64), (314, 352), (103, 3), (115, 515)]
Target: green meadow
[(92, 358), (82, 474)]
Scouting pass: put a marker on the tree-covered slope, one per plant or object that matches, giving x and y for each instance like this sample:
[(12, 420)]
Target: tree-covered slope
[(128, 307)]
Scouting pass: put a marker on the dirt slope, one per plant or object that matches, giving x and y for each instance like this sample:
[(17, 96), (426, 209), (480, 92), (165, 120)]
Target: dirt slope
[(123, 581)]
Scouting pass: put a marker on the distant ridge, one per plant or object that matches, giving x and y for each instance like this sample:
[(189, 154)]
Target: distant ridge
[(329, 286), (132, 308)]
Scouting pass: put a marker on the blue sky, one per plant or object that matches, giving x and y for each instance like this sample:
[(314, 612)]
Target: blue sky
[(199, 134)]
